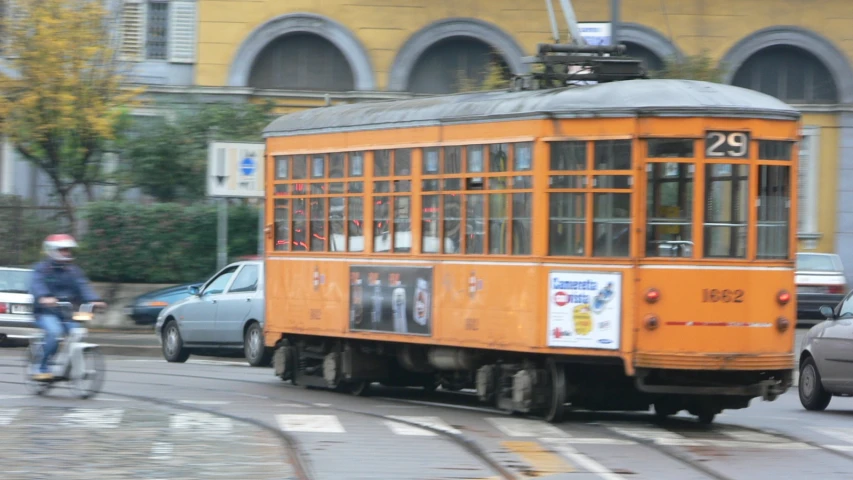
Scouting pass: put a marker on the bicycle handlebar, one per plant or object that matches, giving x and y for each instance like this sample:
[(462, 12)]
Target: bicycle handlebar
[(84, 313)]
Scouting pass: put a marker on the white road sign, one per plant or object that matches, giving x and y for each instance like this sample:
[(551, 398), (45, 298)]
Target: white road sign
[(235, 169)]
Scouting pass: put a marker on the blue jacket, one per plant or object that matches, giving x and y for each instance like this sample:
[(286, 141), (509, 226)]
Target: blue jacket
[(54, 279)]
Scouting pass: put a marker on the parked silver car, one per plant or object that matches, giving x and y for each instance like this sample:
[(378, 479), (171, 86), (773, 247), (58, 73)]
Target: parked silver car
[(826, 354), (226, 313), (16, 304)]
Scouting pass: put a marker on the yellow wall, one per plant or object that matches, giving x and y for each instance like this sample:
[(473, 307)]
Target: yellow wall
[(384, 25), (827, 178)]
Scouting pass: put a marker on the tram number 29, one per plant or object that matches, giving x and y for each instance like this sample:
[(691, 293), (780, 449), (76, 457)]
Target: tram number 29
[(714, 295), (726, 144)]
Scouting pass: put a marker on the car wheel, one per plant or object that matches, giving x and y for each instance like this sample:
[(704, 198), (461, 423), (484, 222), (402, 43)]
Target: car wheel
[(812, 394), (256, 352), (173, 345)]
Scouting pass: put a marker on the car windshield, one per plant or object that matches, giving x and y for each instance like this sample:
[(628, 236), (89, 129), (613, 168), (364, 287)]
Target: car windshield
[(15, 281), (817, 263)]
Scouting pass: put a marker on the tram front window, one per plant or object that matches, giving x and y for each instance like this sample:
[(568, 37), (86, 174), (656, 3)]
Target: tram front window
[(670, 209), (726, 191)]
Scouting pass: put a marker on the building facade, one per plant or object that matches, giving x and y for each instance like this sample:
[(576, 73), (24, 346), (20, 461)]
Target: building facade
[(304, 54)]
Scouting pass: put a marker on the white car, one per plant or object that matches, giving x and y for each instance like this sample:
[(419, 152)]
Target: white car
[(16, 304)]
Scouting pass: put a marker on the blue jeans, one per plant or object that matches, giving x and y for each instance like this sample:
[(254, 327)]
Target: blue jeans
[(53, 329)]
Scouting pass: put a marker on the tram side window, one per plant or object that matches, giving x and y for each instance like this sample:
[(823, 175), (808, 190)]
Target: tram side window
[(669, 148), (337, 204), (568, 224), (611, 224), (774, 150), (567, 208), (669, 207), (355, 205), (453, 223), (281, 238), (522, 203), (498, 203), (430, 224), (613, 155), (726, 193), (773, 211), (392, 230)]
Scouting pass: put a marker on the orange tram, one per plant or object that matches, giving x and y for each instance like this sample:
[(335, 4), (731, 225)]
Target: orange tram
[(615, 245)]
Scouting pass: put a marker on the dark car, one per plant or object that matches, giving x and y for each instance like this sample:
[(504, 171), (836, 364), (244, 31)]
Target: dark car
[(145, 308)]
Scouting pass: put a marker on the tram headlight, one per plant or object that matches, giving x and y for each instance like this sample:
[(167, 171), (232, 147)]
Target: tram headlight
[(782, 324), (651, 322), (652, 295)]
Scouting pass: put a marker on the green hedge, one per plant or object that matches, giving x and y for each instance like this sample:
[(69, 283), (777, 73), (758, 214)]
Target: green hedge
[(161, 243)]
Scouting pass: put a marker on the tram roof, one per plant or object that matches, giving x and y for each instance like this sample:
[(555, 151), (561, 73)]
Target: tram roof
[(630, 98)]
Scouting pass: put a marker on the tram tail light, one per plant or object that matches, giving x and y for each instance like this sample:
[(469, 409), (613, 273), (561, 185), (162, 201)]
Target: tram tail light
[(783, 297), (652, 295), (782, 324), (651, 322)]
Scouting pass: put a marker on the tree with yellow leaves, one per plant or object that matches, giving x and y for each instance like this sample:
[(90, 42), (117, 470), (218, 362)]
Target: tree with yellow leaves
[(63, 99)]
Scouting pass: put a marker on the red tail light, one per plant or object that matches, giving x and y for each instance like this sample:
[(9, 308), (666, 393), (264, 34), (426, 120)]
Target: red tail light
[(4, 308), (783, 297), (836, 289), (652, 295)]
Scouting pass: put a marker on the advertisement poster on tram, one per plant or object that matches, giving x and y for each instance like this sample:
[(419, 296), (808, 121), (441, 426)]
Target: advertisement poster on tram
[(391, 299), (584, 310)]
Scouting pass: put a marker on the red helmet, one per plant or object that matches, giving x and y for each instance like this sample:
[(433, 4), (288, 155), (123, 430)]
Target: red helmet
[(54, 243)]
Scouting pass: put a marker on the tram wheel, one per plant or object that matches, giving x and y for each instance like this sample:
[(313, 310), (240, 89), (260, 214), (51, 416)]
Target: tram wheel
[(557, 405), (706, 418), (664, 409), (360, 388)]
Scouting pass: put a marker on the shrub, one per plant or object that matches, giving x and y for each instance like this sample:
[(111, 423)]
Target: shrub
[(161, 243)]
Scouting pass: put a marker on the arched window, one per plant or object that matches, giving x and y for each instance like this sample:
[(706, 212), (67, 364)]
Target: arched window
[(651, 62), (453, 63), (302, 61), (788, 73)]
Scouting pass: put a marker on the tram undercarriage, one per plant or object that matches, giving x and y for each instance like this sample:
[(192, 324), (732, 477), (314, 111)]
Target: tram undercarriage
[(538, 385)]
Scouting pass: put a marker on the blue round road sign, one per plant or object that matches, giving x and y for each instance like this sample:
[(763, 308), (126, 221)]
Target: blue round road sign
[(247, 166)]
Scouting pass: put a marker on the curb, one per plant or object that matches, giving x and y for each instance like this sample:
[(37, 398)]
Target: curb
[(138, 331), (130, 350)]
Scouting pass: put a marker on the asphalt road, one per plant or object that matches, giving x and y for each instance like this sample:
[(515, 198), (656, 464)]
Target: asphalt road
[(221, 418)]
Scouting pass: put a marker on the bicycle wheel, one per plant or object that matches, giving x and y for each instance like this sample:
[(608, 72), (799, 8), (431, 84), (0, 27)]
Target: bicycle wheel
[(32, 357), (87, 378)]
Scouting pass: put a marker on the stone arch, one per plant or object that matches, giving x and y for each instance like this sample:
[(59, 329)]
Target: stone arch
[(344, 40), (822, 49), (650, 39), (420, 41)]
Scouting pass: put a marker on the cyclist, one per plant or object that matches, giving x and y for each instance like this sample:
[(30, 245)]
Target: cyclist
[(53, 278)]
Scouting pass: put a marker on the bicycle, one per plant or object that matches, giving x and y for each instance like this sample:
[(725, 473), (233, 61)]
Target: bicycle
[(75, 361)]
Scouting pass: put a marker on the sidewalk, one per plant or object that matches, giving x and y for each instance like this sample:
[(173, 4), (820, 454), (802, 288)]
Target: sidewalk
[(135, 443)]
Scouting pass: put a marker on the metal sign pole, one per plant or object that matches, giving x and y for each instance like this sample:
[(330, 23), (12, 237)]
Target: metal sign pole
[(222, 235)]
